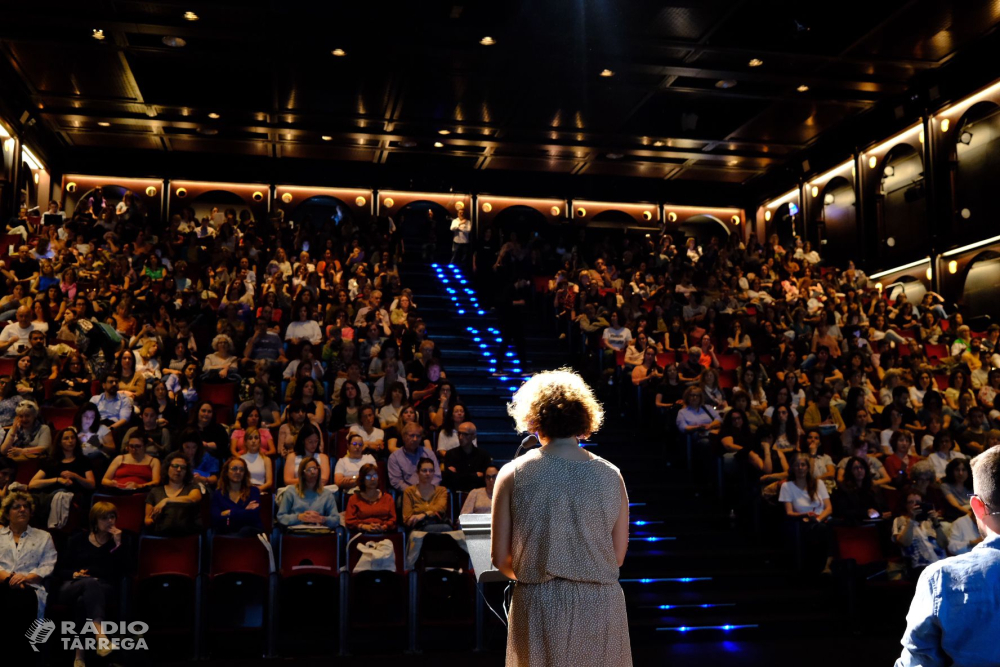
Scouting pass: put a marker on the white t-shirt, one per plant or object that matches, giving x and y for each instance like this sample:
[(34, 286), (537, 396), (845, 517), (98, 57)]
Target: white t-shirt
[(962, 532), (14, 332), (308, 330), (619, 338), (800, 500), (446, 442), (349, 467), (376, 434)]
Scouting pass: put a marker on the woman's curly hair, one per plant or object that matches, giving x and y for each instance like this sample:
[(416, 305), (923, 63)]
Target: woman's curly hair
[(556, 404)]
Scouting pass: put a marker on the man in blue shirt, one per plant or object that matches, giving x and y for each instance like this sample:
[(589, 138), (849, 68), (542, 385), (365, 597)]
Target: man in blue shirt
[(955, 612), (403, 462), (115, 407)]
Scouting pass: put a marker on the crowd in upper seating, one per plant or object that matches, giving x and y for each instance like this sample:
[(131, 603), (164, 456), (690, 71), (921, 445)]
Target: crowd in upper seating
[(217, 365), (823, 392)]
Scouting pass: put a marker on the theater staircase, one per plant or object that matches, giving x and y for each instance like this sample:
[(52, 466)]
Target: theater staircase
[(697, 574)]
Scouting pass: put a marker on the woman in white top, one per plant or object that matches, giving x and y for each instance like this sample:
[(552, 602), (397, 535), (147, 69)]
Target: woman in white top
[(388, 415), (480, 501), (944, 452), (374, 437), (345, 474), (808, 501), (307, 444), (447, 437), (258, 466), (304, 329), (918, 391)]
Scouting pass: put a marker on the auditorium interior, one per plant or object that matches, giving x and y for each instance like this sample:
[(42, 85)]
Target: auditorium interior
[(759, 229)]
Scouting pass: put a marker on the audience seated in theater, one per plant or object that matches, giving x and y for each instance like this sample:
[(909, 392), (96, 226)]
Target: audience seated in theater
[(374, 437), (425, 504), (308, 505), (65, 468), (155, 435), (919, 532), (134, 470), (856, 499), (269, 413), (465, 466), (945, 450), (28, 437), (308, 445), (389, 410), (204, 466), (173, 508), (408, 415), (260, 469), (251, 419), (347, 473), (957, 489), (807, 501), (447, 435), (369, 509), (480, 501), (235, 503), (403, 462)]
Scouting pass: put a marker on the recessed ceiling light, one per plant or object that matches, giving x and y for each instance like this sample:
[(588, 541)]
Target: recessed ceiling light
[(104, 123), (755, 62), (607, 73), (175, 42), (733, 163), (444, 132), (657, 143), (803, 88), (213, 115), (615, 156), (326, 137), (340, 53), (98, 34), (487, 41), (438, 144), (191, 16)]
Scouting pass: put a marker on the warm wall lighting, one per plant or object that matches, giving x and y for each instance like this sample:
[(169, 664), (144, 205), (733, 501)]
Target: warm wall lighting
[(388, 202), (554, 210), (151, 191), (929, 273), (735, 219), (487, 207), (803, 88), (672, 217), (71, 187), (340, 53), (945, 124), (287, 197), (258, 196), (889, 171), (755, 62), (966, 214), (104, 123), (438, 144), (213, 115), (872, 161), (98, 34), (581, 212), (921, 137), (828, 198), (326, 137), (36, 178), (8, 145), (191, 16), (878, 286), (952, 266), (647, 215), (607, 73), (965, 137), (182, 192), (444, 132), (360, 201), (767, 216), (814, 191), (487, 41)]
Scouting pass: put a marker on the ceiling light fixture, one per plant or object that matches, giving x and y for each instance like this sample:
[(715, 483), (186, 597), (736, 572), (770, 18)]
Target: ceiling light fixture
[(213, 115), (672, 217), (487, 41), (151, 191), (174, 42), (444, 132), (945, 124), (191, 16), (725, 83), (966, 214), (965, 137), (340, 53), (487, 207), (98, 34), (104, 123), (953, 266), (287, 197), (360, 201), (889, 171), (736, 219), (872, 161), (607, 73), (554, 210), (828, 199), (815, 191), (767, 216), (388, 202), (755, 62), (326, 137), (803, 88), (438, 144), (657, 143)]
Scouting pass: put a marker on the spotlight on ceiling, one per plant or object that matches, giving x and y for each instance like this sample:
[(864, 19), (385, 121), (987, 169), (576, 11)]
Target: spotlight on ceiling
[(755, 62), (945, 124), (487, 41), (360, 201), (174, 42), (191, 16), (438, 144), (815, 191), (965, 137), (258, 196), (326, 137), (647, 215), (672, 217), (966, 214), (340, 53), (287, 197), (444, 133), (104, 123), (872, 161), (581, 212), (767, 216), (828, 198), (735, 219), (802, 88), (98, 34), (554, 210), (388, 202), (487, 207), (213, 115), (607, 73), (182, 193), (71, 187), (889, 171), (953, 266)]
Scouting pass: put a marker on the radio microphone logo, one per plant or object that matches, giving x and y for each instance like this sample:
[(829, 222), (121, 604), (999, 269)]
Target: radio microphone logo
[(39, 632)]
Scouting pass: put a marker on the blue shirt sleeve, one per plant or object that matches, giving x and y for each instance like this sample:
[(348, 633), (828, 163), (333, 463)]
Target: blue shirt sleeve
[(922, 638)]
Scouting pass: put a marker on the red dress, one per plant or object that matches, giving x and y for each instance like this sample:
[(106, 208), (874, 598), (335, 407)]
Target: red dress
[(359, 511)]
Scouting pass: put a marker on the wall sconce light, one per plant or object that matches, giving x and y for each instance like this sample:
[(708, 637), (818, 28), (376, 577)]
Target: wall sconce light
[(814, 191), (929, 273), (555, 210), (672, 217), (647, 215), (459, 205), (828, 199), (945, 124), (952, 266), (966, 214), (920, 137), (735, 219), (388, 202), (287, 197), (71, 187), (182, 193), (767, 216), (36, 178), (889, 171), (487, 207), (151, 191), (581, 212), (8, 144), (891, 241), (878, 286), (360, 201), (872, 161), (258, 196), (965, 137)]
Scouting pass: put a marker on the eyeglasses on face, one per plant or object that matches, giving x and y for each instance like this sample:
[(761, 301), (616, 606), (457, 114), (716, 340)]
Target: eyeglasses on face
[(178, 466), (237, 468)]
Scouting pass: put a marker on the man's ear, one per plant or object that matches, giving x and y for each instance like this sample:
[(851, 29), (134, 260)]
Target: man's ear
[(979, 508)]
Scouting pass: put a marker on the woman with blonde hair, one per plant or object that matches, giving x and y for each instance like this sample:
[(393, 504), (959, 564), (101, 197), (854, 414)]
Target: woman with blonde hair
[(541, 519), (308, 504)]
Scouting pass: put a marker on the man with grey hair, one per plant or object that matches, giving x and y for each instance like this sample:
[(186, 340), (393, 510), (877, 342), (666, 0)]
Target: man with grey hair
[(956, 608), (465, 466), (403, 463), (15, 339)]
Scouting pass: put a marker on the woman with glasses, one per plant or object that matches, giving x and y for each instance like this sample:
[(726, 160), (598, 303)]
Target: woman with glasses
[(173, 508), (307, 504), (480, 501), (347, 473), (425, 504), (235, 505), (369, 509), (133, 470)]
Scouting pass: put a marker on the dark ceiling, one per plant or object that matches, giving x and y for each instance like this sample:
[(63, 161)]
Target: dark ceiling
[(684, 103)]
